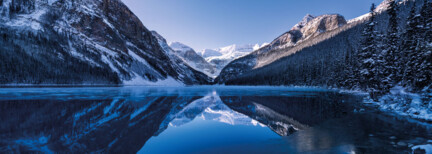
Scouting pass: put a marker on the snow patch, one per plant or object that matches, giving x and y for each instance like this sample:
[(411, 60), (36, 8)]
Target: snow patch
[(105, 50), (111, 65), (427, 148), (108, 23), (138, 58), (361, 18), (31, 20)]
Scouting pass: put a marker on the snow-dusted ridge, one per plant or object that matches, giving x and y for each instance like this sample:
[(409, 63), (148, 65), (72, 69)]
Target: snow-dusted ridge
[(103, 38), (189, 56), (220, 57)]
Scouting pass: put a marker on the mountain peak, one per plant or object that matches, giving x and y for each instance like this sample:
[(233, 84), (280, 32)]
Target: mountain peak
[(158, 36), (178, 46), (303, 22), (309, 27), (386, 4), (308, 17)]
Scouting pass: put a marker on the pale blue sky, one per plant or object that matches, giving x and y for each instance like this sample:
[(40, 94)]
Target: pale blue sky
[(212, 24)]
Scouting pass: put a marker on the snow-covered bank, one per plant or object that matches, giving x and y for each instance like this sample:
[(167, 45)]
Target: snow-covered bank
[(406, 104), (426, 148)]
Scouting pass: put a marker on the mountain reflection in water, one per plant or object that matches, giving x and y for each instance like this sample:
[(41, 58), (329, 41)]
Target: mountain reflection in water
[(166, 120)]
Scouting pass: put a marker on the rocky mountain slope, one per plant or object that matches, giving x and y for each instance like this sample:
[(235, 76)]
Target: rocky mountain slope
[(298, 37), (223, 56), (83, 42), (309, 27), (189, 56)]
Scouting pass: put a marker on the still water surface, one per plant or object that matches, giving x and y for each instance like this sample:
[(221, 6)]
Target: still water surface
[(203, 119)]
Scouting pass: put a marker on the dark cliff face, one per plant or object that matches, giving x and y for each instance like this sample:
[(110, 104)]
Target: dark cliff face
[(102, 35)]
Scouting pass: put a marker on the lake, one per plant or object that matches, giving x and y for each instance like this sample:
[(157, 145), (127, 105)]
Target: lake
[(202, 119)]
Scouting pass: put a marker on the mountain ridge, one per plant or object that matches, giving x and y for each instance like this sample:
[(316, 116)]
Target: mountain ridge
[(189, 56), (291, 40), (83, 42)]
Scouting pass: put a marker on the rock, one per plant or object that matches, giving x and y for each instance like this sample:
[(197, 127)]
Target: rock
[(419, 151), (410, 145), (402, 144)]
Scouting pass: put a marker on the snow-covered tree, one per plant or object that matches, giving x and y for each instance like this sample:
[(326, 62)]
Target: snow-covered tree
[(391, 50), (426, 12), (411, 38), (423, 76), (367, 56), (428, 37), (416, 49)]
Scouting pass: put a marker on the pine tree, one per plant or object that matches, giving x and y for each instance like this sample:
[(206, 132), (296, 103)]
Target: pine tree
[(408, 48), (351, 80), (428, 38), (423, 73), (391, 55), (427, 14), (367, 57)]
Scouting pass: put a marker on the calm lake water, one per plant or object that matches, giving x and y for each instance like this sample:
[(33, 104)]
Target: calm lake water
[(203, 119)]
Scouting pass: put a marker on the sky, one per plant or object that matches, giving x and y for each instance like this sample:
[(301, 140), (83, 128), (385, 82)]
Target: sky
[(210, 24)]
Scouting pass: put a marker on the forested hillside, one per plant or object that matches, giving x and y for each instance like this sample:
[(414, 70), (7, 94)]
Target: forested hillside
[(390, 47)]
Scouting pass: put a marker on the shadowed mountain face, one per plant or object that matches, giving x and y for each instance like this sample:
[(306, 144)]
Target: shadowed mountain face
[(82, 42), (189, 56), (129, 120)]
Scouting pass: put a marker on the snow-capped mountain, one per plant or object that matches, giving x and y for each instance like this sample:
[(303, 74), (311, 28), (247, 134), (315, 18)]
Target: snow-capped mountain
[(303, 23), (189, 56), (83, 42), (309, 27), (223, 56)]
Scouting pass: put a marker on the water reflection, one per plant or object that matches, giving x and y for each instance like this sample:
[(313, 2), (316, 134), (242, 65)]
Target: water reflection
[(136, 119)]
